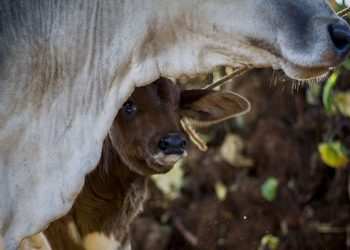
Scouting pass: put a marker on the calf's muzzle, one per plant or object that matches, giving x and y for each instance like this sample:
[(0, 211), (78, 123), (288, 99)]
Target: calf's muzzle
[(172, 143)]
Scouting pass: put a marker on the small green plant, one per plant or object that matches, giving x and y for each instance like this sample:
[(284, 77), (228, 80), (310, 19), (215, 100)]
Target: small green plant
[(334, 154), (269, 189), (328, 91), (269, 242), (337, 104)]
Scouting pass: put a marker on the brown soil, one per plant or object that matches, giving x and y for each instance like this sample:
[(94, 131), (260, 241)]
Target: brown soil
[(281, 134)]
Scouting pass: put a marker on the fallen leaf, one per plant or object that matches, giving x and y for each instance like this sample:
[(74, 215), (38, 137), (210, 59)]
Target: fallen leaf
[(220, 190), (269, 189), (171, 182), (334, 154), (269, 242), (342, 102), (231, 151)]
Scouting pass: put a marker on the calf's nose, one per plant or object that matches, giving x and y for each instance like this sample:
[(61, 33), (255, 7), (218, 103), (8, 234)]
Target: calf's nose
[(340, 35), (172, 143)]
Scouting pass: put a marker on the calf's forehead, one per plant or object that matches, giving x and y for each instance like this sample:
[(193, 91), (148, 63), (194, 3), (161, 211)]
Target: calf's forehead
[(163, 91)]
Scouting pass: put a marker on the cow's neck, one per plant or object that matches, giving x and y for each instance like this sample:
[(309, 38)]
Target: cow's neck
[(111, 197)]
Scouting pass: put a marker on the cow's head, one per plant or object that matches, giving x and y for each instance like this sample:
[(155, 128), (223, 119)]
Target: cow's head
[(305, 38), (147, 132)]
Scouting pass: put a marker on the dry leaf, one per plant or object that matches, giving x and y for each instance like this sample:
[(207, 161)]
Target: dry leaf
[(220, 190), (231, 151), (170, 182)]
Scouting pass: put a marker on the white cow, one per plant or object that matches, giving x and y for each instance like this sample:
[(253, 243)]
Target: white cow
[(66, 66)]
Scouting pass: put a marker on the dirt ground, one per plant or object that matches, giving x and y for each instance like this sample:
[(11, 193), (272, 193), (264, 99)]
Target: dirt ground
[(280, 135)]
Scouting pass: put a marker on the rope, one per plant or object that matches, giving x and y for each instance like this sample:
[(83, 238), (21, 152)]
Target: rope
[(194, 137), (344, 12), (237, 72)]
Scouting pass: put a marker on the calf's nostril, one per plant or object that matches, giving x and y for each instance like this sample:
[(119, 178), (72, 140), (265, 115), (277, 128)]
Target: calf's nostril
[(340, 35), (183, 143), (163, 144)]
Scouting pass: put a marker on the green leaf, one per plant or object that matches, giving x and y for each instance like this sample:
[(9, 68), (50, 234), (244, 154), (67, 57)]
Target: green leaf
[(327, 92), (342, 102), (240, 121), (334, 154), (269, 189), (346, 64), (313, 93), (219, 73), (269, 242)]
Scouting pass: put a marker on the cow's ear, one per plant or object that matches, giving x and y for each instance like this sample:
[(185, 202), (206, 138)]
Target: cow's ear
[(205, 107)]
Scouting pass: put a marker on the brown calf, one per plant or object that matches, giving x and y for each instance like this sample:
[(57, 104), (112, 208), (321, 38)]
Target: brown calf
[(145, 139)]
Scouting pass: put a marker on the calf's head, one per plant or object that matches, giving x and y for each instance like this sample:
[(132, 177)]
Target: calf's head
[(147, 133)]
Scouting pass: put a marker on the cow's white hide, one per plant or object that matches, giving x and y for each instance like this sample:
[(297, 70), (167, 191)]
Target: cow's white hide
[(67, 66)]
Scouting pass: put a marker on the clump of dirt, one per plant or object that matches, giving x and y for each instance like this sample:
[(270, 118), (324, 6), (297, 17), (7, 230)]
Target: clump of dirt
[(281, 134)]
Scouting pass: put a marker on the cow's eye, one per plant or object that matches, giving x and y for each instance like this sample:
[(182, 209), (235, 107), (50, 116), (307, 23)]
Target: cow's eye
[(129, 107)]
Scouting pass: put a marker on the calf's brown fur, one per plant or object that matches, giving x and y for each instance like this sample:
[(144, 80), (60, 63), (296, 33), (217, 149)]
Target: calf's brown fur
[(145, 139)]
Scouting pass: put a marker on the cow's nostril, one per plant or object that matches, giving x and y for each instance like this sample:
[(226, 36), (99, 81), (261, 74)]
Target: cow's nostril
[(172, 144), (340, 35)]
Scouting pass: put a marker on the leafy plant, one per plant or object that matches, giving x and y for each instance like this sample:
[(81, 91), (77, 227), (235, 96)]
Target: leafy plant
[(269, 242), (327, 92), (342, 102), (269, 189), (334, 154)]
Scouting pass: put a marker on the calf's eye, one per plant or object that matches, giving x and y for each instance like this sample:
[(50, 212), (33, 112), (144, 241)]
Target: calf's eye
[(129, 107)]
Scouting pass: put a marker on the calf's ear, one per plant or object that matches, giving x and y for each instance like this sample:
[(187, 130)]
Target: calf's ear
[(206, 107)]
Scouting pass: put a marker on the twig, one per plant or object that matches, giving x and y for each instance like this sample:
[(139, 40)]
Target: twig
[(192, 239), (349, 184), (348, 236), (325, 228)]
